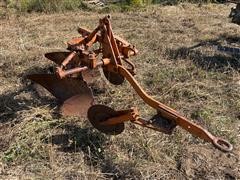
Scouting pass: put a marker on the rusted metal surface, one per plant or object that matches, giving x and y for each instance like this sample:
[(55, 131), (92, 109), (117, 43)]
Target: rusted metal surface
[(62, 89), (100, 48), (77, 105), (161, 124), (100, 113), (114, 78), (57, 57), (74, 93), (90, 76)]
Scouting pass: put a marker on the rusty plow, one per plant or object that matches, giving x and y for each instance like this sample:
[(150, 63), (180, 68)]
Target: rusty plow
[(101, 49)]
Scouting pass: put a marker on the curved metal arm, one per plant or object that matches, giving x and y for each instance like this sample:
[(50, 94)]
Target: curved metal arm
[(171, 114)]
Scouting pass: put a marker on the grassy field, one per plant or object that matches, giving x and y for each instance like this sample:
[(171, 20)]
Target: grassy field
[(201, 83)]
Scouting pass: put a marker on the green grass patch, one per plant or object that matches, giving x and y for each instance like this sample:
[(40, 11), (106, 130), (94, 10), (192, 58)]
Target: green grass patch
[(45, 5), (29, 142), (71, 5)]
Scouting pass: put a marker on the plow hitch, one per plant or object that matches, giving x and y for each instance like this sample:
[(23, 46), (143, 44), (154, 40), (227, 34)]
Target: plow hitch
[(80, 63)]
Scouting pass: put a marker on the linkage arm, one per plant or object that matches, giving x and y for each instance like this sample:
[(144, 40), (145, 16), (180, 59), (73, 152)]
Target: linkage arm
[(170, 114)]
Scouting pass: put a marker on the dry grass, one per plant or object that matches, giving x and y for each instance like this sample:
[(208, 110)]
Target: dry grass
[(201, 83)]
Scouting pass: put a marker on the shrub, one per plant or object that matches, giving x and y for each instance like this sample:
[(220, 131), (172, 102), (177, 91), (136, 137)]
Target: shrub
[(135, 2)]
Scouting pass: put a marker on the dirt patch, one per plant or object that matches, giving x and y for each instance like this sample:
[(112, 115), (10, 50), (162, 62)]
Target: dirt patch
[(205, 163)]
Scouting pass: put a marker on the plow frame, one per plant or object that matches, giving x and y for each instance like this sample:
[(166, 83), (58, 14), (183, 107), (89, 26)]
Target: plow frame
[(112, 54)]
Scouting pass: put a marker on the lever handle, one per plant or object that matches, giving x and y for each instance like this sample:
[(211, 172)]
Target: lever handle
[(63, 73), (68, 59)]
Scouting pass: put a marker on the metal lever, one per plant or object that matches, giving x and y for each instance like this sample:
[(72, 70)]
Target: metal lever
[(164, 125)]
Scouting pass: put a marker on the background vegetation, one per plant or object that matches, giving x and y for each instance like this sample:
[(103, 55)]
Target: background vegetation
[(63, 5)]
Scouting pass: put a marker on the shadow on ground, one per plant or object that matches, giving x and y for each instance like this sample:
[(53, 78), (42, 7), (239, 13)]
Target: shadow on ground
[(92, 143), (27, 96), (219, 60), (23, 99)]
